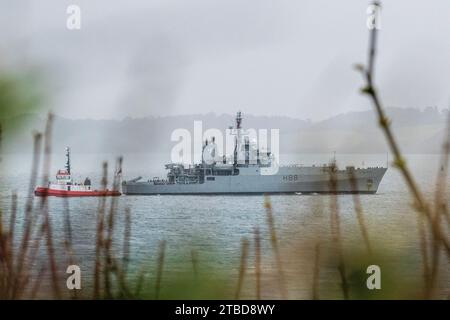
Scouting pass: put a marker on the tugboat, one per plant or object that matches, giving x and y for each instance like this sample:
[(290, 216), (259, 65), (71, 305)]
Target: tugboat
[(66, 187)]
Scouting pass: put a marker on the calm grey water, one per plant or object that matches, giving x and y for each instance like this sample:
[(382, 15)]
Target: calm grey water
[(215, 225)]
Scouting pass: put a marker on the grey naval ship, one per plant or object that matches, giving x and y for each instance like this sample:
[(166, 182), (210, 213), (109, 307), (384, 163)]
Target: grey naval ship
[(237, 174)]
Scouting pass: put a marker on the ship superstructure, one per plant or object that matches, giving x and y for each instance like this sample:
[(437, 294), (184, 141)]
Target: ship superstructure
[(250, 171)]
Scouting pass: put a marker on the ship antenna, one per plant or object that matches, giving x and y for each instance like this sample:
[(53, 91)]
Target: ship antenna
[(68, 159), (238, 120)]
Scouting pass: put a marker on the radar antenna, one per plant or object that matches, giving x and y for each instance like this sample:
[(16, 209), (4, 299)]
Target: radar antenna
[(238, 120)]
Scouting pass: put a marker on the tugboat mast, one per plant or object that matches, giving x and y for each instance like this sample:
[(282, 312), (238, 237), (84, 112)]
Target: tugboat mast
[(68, 159)]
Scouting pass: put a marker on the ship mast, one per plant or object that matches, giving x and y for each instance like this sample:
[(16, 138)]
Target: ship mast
[(238, 120), (68, 159), (237, 138)]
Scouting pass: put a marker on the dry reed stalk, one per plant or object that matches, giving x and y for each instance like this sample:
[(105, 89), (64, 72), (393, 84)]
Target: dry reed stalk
[(99, 236), (4, 269), (51, 254), (39, 229), (109, 266), (420, 202), (140, 281), (126, 241), (335, 226), (68, 246), (446, 214), (3, 258), (37, 235), (4, 264), (122, 270), (274, 242), (47, 155), (44, 209), (424, 251), (258, 263), (160, 267), (242, 267), (68, 232), (37, 284), (10, 244), (316, 275), (1, 141), (121, 277), (45, 225), (28, 223), (359, 212), (12, 220)]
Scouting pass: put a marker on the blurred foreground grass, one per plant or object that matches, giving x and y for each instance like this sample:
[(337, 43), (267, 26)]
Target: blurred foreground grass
[(20, 92), (331, 268)]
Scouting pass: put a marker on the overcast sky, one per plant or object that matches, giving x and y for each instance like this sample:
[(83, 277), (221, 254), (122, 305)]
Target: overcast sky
[(284, 57)]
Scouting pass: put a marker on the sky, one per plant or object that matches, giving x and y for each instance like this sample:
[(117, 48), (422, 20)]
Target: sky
[(294, 58)]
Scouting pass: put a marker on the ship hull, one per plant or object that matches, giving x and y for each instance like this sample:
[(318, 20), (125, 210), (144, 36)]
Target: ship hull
[(288, 180), (46, 192)]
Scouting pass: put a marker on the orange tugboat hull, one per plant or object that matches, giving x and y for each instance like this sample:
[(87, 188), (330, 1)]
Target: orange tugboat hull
[(46, 192)]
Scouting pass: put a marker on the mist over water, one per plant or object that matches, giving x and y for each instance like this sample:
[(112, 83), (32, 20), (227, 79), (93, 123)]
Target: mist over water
[(215, 225)]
